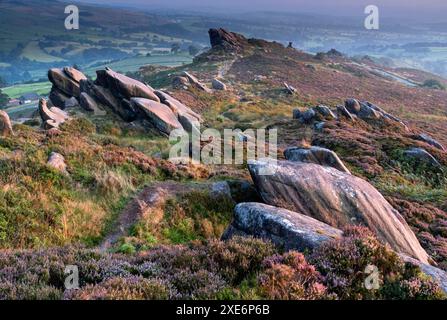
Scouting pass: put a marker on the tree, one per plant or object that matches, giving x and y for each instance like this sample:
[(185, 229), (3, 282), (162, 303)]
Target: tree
[(2, 83), (433, 84), (175, 48), (193, 50), (3, 99)]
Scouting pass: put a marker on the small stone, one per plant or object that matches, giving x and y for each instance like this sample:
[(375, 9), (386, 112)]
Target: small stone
[(218, 85)]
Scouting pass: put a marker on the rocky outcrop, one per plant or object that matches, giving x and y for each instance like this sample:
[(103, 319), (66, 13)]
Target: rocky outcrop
[(343, 112), (368, 111), (218, 85), (422, 156), (427, 139), (325, 112), (226, 40), (187, 117), (195, 82), (286, 229), (51, 117), (335, 198), (57, 162), (123, 86), (66, 80), (5, 125), (318, 155), (438, 275), (158, 114), (180, 83), (122, 95), (289, 89)]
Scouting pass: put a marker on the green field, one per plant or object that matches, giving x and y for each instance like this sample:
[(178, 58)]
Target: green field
[(126, 65), (41, 88), (134, 63)]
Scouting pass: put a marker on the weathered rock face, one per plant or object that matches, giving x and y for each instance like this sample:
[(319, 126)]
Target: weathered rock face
[(335, 198), (114, 91), (57, 162), (51, 117), (421, 155), (218, 85), (296, 114), (176, 106), (438, 275), (180, 83), (286, 229), (71, 103), (352, 105), (64, 83), (317, 155), (426, 138), (123, 86), (74, 74), (368, 111), (325, 112), (342, 111), (58, 98), (158, 114), (289, 89), (5, 125), (195, 82), (223, 39)]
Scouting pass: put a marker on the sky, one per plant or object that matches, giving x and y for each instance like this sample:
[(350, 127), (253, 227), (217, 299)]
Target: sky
[(418, 9)]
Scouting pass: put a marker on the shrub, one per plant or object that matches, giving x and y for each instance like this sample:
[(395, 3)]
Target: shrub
[(343, 264), (289, 276), (433, 84), (132, 288)]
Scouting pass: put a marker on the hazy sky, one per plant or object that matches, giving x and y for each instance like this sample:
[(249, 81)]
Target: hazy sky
[(423, 9)]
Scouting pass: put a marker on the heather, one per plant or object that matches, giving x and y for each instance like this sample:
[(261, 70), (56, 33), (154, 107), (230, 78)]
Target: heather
[(242, 268)]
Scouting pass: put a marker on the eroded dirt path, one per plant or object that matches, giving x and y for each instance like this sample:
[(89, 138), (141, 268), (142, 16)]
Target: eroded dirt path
[(150, 201)]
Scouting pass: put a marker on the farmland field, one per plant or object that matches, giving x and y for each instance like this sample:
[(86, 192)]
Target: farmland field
[(41, 88)]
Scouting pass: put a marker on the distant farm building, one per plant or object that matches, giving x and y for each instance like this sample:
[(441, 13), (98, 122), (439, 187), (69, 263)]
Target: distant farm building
[(29, 97), (13, 103)]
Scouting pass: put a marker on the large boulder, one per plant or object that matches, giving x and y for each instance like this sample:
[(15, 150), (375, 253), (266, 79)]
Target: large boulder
[(325, 112), (422, 156), (58, 98), (64, 83), (118, 106), (195, 82), (318, 155), (5, 125), (352, 105), (123, 86), (74, 74), (438, 275), (57, 162), (289, 89), (160, 115), (427, 139), (334, 197), (89, 104), (286, 229), (176, 106), (218, 85), (51, 117)]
